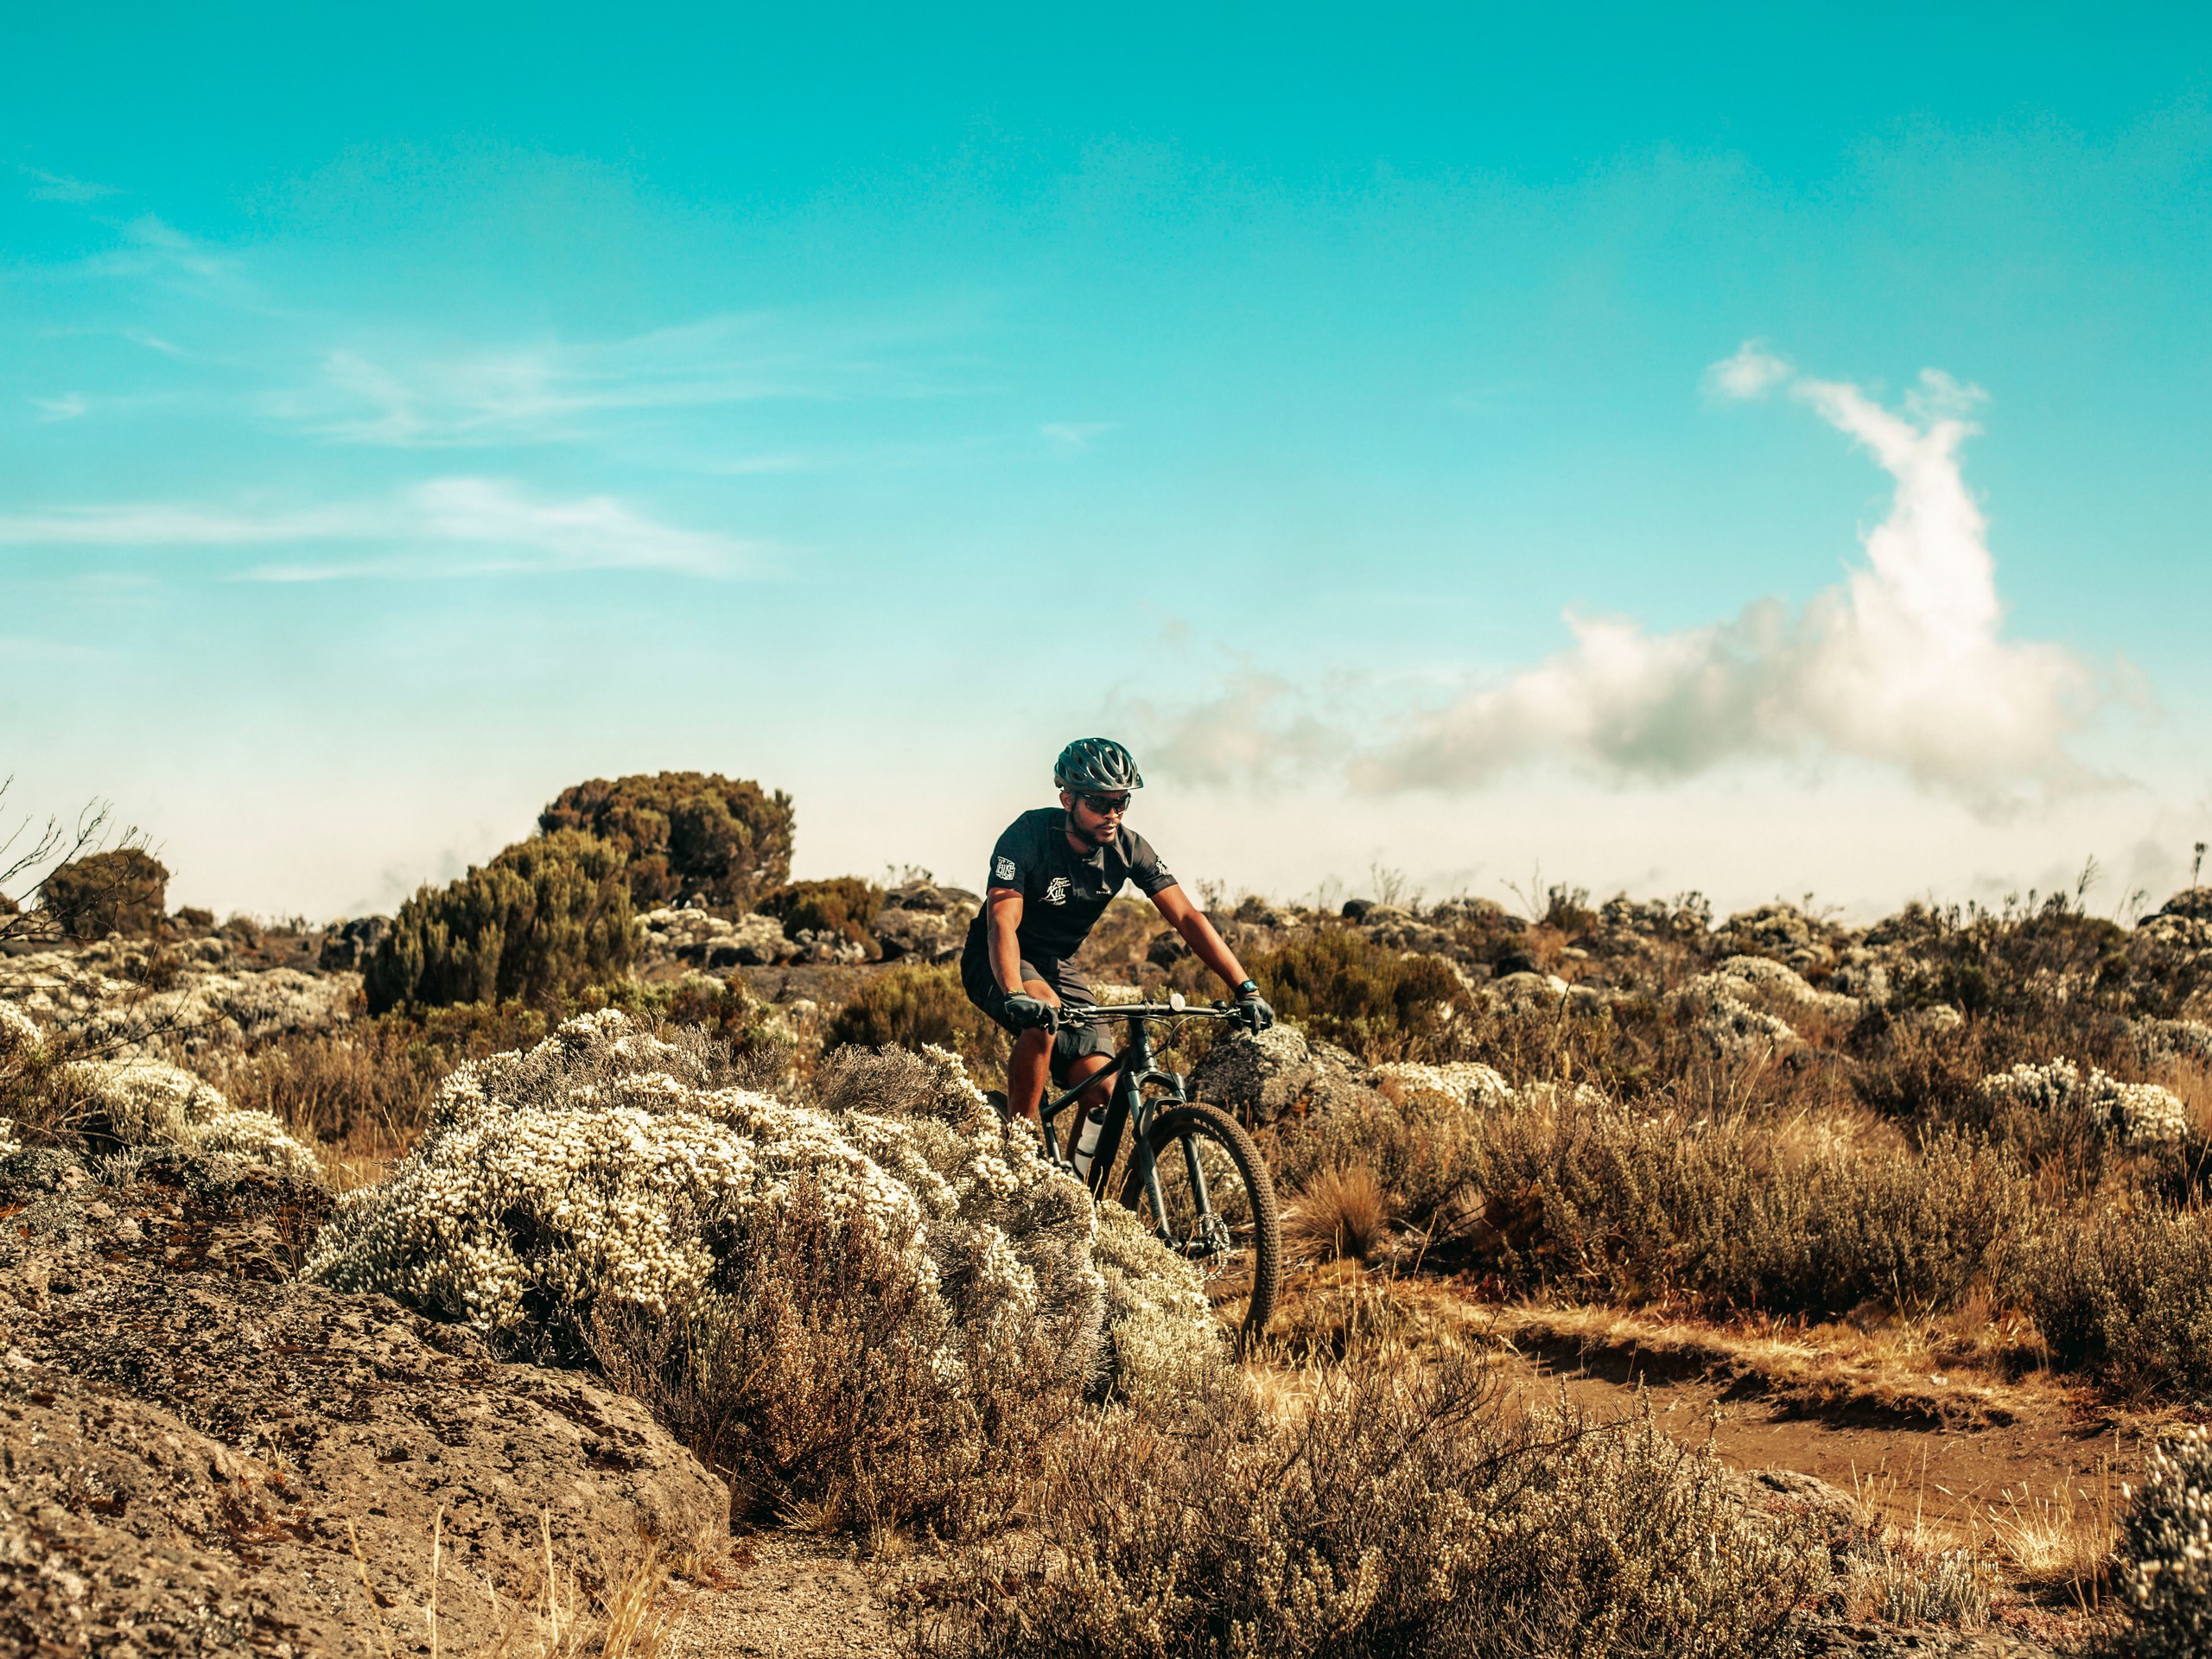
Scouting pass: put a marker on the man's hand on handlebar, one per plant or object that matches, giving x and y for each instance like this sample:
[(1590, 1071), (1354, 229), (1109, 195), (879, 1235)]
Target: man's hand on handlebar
[(1031, 1014), (1252, 1009)]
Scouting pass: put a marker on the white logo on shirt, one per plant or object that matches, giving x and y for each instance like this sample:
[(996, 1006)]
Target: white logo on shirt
[(1003, 868), (1056, 891)]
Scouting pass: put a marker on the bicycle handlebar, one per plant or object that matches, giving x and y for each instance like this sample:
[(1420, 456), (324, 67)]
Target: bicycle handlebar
[(1082, 1014)]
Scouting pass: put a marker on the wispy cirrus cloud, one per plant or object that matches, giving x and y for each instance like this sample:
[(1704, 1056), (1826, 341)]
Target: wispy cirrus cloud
[(448, 526), (60, 186), (406, 396)]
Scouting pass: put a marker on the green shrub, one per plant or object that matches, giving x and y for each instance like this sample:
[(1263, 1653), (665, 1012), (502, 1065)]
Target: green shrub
[(2129, 1298), (843, 903), (913, 1004), (687, 835), (122, 892), (1342, 986), (540, 922)]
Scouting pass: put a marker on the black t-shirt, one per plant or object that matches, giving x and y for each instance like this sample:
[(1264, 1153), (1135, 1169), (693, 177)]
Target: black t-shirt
[(1063, 893)]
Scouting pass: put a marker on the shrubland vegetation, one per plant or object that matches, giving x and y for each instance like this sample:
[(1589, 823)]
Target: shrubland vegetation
[(124, 891), (844, 905), (1991, 1121), (684, 835), (540, 922)]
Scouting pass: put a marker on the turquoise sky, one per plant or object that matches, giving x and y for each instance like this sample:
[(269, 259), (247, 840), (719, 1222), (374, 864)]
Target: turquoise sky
[(402, 416)]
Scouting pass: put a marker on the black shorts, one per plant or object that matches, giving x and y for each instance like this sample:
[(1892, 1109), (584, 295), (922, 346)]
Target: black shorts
[(983, 988)]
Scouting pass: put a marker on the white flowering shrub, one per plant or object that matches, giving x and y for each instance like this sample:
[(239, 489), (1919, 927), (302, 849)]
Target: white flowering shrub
[(1735, 1007), (20, 1037), (606, 1164), (150, 1103), (872, 1308), (2164, 1553), (2138, 1114), (89, 1002)]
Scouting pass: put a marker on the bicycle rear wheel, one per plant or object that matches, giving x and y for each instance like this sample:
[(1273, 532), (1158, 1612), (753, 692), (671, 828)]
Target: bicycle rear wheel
[(1219, 1211)]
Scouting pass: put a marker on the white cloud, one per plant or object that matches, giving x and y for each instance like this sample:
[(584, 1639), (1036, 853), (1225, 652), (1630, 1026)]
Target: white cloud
[(68, 407), (168, 524), (1256, 731), (1904, 664), (1751, 372), (1075, 434), (447, 526), (556, 391), (58, 187), (593, 531)]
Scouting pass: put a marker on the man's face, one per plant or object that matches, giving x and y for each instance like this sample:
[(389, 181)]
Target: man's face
[(1095, 818)]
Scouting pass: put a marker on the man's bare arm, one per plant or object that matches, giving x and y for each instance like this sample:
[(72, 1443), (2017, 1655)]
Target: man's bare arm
[(1187, 919), (1006, 947)]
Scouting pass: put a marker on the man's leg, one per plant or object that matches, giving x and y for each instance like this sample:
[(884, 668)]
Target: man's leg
[(1093, 1099), (1029, 1068)]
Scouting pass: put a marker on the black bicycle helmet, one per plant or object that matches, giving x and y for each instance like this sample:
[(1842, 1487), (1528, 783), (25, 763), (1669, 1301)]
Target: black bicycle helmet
[(1098, 764)]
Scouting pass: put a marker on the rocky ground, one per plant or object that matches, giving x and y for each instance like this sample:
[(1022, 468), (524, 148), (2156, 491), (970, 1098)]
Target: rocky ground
[(203, 1456)]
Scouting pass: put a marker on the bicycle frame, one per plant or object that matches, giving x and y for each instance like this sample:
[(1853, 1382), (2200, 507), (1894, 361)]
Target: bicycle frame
[(1128, 1109)]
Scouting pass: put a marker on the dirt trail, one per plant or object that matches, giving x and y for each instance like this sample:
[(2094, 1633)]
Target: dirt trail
[(1908, 1466)]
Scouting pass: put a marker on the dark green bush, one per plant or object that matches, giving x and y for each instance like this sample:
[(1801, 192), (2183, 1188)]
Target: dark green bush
[(843, 903), (1342, 986), (540, 922), (122, 892), (687, 835), (914, 1003), (2129, 1298)]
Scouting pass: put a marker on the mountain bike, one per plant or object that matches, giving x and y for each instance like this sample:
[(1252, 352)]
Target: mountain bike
[(1192, 1170)]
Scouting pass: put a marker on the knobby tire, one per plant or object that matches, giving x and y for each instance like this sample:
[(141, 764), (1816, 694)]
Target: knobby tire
[(1210, 1124)]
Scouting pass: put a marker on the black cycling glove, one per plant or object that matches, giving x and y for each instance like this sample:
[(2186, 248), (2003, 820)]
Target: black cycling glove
[(1029, 1012), (1254, 1006)]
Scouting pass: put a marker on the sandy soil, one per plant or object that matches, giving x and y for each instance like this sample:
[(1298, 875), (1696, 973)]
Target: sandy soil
[(786, 1596)]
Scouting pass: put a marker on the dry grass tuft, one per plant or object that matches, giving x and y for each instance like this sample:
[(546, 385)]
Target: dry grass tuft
[(2061, 1544), (1341, 1212)]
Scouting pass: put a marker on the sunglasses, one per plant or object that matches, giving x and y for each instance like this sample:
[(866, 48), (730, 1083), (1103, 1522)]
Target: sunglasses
[(1104, 805)]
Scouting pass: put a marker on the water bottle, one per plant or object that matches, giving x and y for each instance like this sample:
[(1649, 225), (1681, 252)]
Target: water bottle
[(1087, 1144)]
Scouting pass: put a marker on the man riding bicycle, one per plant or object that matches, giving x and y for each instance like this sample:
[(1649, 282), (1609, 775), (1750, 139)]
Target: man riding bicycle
[(1053, 872)]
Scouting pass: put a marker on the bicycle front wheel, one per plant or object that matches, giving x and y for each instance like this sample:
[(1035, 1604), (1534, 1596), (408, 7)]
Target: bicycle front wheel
[(1216, 1209)]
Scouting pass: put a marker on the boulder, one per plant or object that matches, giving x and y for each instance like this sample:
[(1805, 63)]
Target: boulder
[(1467, 1082), (924, 921), (1259, 1077), (346, 946)]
